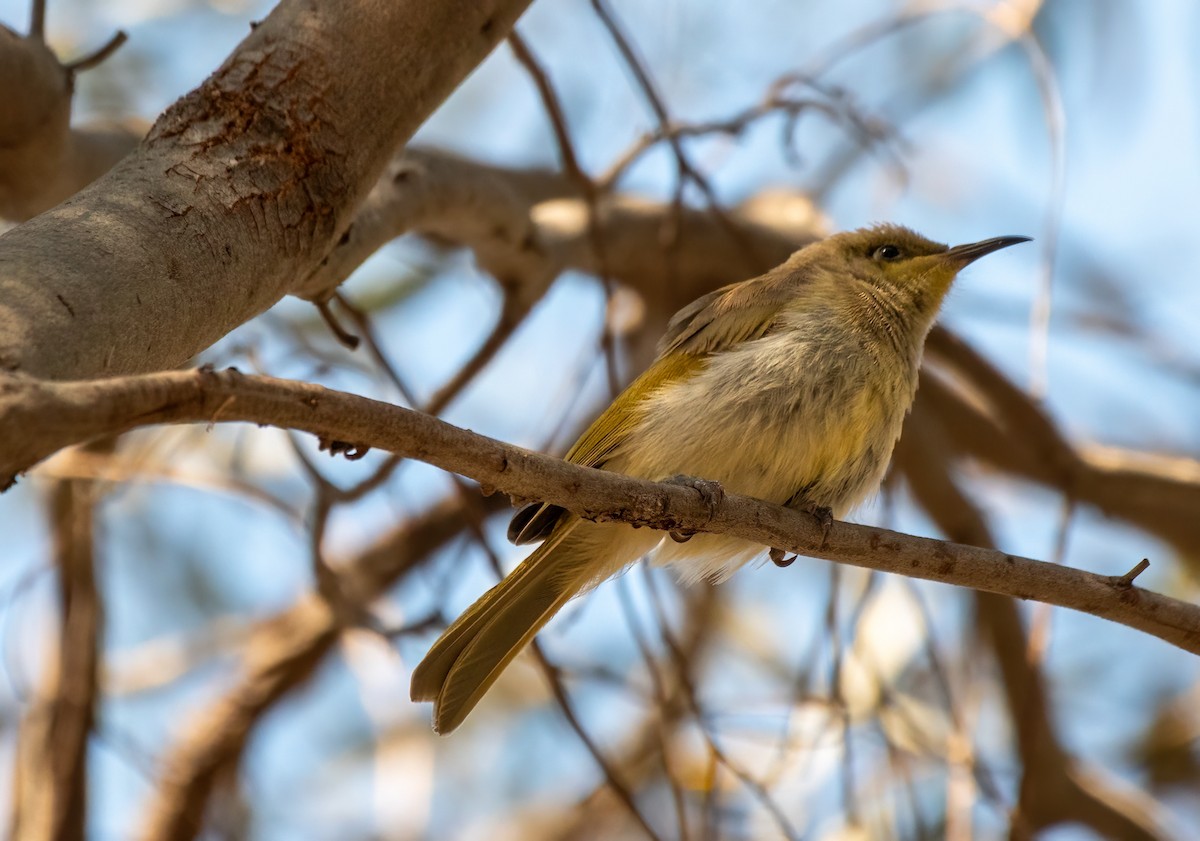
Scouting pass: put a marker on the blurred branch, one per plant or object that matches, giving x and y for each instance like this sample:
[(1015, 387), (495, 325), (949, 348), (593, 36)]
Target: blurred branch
[(989, 418), (51, 784), (528, 225), (686, 171), (99, 56), (51, 415), (277, 657), (43, 160), (701, 621), (832, 102), (583, 183), (37, 19), (1055, 787)]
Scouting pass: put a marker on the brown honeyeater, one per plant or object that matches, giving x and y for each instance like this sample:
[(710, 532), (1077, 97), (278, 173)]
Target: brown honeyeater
[(790, 387)]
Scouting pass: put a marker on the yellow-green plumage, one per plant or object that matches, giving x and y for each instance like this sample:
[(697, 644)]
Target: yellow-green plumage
[(791, 387)]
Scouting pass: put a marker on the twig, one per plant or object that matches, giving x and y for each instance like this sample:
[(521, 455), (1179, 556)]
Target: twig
[(661, 700), (583, 181), (341, 333), (513, 312), (37, 20), (775, 102), (683, 666), (98, 57), (686, 170), (1125, 582)]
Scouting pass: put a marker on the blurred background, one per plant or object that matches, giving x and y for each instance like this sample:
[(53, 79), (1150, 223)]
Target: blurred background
[(815, 701)]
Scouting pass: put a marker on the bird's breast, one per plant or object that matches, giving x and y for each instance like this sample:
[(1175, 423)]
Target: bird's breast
[(813, 412)]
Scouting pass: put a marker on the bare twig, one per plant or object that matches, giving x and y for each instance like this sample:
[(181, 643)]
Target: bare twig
[(721, 758), (686, 169), (343, 335), (37, 20), (95, 59), (583, 181), (1126, 580)]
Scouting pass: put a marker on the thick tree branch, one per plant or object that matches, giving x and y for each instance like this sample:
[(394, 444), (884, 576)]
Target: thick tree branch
[(58, 414), (240, 188)]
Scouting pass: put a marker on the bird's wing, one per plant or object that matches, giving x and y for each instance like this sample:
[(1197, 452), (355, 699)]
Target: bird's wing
[(739, 312), (606, 434)]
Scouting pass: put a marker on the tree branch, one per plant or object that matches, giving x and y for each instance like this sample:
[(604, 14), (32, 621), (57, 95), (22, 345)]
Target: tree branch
[(51, 786), (239, 190), (54, 415)]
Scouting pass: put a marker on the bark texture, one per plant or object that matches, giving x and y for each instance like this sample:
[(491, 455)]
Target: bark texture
[(240, 188)]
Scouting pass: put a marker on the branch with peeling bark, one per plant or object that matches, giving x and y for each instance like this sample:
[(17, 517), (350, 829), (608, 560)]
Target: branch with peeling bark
[(239, 189), (59, 414)]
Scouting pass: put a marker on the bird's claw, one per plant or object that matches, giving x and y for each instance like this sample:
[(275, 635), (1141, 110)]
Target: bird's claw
[(710, 492), (778, 557), (823, 514), (681, 535)]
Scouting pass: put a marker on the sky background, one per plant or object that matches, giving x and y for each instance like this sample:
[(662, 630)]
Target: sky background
[(1102, 171)]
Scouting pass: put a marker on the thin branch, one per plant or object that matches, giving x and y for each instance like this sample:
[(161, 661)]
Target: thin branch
[(98, 57), (686, 169), (583, 181), (756, 787), (830, 102), (55, 414), (37, 20)]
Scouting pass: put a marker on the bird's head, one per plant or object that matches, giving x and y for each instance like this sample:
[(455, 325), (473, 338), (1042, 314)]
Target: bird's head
[(907, 269)]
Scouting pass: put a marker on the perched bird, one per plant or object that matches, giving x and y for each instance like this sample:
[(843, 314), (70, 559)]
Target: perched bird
[(790, 387)]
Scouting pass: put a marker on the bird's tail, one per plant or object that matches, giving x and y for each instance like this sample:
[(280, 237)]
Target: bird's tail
[(466, 660)]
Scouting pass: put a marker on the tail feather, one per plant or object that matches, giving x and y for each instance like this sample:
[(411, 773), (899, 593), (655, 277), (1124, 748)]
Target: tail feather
[(431, 673), (469, 657), (513, 626)]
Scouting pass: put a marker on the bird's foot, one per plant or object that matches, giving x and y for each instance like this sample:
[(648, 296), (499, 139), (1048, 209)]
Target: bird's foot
[(710, 492), (780, 559), (824, 517)]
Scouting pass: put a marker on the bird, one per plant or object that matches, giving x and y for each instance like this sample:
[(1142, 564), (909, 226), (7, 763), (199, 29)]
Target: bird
[(790, 387)]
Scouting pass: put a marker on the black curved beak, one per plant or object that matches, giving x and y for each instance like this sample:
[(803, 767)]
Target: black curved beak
[(969, 253)]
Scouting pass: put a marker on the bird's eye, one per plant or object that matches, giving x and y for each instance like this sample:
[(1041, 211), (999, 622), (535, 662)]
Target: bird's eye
[(886, 252)]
